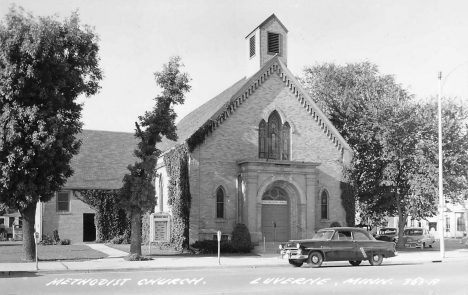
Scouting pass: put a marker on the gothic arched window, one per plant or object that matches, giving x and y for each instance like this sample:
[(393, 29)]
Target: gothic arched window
[(324, 205), (286, 141), (274, 125), (274, 139), (262, 140), (220, 203)]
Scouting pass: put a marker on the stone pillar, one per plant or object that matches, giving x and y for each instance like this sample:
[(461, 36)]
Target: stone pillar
[(311, 189), (250, 209)]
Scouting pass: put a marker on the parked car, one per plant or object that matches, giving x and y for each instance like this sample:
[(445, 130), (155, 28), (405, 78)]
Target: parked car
[(417, 237), (389, 234), (338, 244)]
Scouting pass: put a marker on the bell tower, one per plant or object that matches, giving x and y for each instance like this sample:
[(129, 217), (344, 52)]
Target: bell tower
[(266, 41)]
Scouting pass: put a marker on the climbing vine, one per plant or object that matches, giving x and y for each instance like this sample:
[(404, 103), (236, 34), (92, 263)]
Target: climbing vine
[(348, 202), (179, 198), (110, 220)]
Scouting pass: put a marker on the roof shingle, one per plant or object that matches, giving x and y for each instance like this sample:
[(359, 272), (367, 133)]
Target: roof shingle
[(103, 159)]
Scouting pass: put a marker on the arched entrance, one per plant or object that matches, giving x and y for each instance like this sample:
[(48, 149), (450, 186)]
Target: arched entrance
[(275, 215)]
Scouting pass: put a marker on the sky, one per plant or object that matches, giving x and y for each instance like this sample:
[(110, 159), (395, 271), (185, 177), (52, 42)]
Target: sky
[(412, 40)]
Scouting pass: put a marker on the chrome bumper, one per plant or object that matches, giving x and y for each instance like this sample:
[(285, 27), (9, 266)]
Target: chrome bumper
[(291, 254)]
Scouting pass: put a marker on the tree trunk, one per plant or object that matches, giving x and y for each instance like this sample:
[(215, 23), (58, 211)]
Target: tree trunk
[(401, 222), (135, 239), (29, 244)]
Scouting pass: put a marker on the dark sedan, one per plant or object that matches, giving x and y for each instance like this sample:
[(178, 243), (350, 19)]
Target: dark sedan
[(338, 244)]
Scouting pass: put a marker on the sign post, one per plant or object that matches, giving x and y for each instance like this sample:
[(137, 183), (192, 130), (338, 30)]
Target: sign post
[(36, 239), (219, 247)]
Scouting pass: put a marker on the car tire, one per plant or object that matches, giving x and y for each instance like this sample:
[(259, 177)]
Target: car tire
[(430, 246), (376, 259), (296, 263), (315, 259), (355, 263), (424, 245)]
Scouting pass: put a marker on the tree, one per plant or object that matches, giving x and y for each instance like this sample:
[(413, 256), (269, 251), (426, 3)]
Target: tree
[(395, 166), (137, 196), (44, 66), (356, 97)]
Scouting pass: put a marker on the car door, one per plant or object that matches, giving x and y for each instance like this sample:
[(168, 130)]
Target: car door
[(343, 246)]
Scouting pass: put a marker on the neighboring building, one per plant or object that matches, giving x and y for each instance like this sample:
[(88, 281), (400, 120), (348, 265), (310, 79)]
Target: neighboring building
[(273, 161), (101, 164), (455, 222)]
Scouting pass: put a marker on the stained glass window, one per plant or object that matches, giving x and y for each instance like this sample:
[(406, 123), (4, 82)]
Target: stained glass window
[(262, 140), (286, 141), (220, 203), (324, 205), (273, 136)]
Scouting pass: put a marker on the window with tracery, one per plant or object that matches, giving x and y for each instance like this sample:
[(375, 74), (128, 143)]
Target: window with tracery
[(220, 203), (324, 205), (286, 141), (274, 139), (262, 140)]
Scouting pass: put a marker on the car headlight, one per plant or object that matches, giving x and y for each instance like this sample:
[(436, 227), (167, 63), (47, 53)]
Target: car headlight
[(281, 246), (298, 245)]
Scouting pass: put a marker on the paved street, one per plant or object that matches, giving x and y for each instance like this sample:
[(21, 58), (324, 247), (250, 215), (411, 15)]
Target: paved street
[(332, 278)]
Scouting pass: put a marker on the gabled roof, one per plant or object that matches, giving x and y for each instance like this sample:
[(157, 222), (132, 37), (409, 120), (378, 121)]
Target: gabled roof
[(207, 118), (190, 123), (267, 20), (103, 159)]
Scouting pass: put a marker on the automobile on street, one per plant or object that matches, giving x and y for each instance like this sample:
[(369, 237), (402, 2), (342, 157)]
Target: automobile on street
[(389, 234), (338, 244), (418, 237)]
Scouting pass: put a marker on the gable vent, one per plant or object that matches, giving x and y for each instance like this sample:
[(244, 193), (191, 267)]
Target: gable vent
[(273, 43), (252, 46)]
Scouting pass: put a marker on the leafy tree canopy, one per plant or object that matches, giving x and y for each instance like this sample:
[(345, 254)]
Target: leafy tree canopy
[(45, 65), (137, 195)]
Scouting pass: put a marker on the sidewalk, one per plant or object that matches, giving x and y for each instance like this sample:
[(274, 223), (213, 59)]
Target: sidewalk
[(115, 262)]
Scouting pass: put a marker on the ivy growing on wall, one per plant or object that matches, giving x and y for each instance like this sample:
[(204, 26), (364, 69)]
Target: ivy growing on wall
[(179, 198), (348, 202), (110, 220)]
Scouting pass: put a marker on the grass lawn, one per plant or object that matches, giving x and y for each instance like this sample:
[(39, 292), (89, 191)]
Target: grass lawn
[(156, 251), (13, 252)]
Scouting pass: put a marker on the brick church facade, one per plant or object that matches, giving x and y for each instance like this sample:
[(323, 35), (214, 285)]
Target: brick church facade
[(273, 160)]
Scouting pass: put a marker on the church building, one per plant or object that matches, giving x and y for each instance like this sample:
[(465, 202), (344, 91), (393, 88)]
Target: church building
[(272, 160)]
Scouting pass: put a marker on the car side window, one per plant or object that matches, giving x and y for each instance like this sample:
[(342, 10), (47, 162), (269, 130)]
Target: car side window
[(343, 235), (359, 236)]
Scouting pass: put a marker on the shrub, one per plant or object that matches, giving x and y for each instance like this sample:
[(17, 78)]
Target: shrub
[(335, 224), (56, 237), (65, 242), (211, 246), (136, 257), (46, 240), (241, 238), (122, 239)]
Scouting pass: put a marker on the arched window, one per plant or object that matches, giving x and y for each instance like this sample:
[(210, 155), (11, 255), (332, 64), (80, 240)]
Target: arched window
[(286, 141), (220, 203), (324, 205), (274, 136), (262, 140), (274, 139)]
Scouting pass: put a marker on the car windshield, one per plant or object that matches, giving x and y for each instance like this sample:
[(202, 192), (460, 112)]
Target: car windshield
[(413, 232), (388, 231), (323, 235)]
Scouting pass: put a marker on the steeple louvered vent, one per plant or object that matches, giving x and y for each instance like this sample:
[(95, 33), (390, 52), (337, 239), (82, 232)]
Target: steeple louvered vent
[(273, 43)]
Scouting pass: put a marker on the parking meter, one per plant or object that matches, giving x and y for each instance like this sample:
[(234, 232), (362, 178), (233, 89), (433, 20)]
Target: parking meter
[(36, 239), (219, 247)]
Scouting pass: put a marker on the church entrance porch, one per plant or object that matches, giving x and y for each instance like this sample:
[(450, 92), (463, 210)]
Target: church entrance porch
[(276, 199)]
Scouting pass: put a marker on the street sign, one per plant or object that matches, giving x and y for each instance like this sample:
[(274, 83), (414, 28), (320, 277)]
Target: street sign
[(219, 235)]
